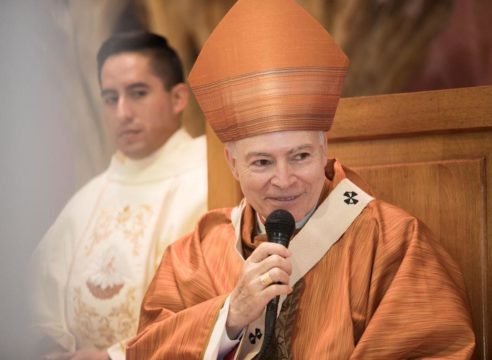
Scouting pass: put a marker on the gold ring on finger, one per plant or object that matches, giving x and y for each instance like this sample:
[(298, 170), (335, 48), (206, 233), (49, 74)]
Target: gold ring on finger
[(265, 279)]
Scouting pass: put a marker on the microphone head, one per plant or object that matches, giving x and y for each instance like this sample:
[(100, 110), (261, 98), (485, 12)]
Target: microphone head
[(280, 222)]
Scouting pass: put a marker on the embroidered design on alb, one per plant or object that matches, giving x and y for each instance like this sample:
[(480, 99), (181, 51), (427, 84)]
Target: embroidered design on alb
[(104, 329), (128, 223), (107, 272)]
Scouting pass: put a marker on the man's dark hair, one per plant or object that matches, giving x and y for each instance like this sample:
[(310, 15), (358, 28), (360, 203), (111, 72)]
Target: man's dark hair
[(165, 62)]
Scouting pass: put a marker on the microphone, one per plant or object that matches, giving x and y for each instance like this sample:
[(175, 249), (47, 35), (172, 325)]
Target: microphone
[(280, 226)]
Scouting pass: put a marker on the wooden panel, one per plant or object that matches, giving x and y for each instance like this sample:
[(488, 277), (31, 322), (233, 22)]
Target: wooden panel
[(223, 189), (448, 197), (413, 113)]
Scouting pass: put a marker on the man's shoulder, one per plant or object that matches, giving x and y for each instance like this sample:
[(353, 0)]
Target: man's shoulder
[(378, 214), (386, 209), (190, 156), (382, 212), (392, 223), (199, 141), (87, 193), (213, 228), (78, 209), (191, 169), (215, 219), (196, 149)]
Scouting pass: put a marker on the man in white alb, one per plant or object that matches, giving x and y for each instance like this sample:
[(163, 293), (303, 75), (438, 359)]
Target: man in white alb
[(93, 266)]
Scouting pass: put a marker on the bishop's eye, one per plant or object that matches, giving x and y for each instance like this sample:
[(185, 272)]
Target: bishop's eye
[(261, 163), (301, 156)]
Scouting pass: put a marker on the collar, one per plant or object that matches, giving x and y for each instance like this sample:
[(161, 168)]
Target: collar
[(169, 160), (260, 226)]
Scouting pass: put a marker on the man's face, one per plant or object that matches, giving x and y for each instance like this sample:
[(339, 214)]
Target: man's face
[(281, 170), (141, 114)]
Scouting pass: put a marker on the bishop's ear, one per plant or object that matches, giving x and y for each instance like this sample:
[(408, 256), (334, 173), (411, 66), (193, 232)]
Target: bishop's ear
[(230, 155)]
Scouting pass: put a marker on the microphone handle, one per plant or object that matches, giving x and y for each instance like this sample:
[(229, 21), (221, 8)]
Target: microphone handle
[(270, 320), (282, 239), (272, 305)]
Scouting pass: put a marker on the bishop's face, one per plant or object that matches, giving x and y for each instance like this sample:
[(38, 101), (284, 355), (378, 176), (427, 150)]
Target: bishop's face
[(280, 170)]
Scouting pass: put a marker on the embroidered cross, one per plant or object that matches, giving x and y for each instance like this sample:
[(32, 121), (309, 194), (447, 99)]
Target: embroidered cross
[(256, 335), (350, 197)]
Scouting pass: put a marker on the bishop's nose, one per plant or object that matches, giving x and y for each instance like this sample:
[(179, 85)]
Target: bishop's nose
[(284, 176)]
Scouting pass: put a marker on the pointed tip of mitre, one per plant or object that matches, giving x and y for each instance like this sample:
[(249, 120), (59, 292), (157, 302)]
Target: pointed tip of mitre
[(258, 37)]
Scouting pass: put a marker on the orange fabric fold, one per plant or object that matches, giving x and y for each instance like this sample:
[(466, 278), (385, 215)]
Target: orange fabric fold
[(183, 300)]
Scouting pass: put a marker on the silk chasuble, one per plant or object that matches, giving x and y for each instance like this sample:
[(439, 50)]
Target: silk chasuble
[(109, 240), (385, 290)]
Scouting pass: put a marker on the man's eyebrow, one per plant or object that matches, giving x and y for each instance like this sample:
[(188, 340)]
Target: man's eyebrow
[(252, 154), (105, 92), (301, 147), (132, 86), (136, 85)]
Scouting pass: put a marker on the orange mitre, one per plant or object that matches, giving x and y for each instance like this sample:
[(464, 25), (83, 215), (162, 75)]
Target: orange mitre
[(268, 66)]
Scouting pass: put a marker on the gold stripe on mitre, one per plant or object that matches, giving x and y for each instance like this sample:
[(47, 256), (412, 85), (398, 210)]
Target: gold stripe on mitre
[(268, 66)]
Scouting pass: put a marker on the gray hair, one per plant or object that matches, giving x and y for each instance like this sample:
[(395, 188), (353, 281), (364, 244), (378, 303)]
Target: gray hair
[(231, 145)]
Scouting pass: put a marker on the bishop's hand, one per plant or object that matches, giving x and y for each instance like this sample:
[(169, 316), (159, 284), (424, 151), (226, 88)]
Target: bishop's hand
[(265, 275)]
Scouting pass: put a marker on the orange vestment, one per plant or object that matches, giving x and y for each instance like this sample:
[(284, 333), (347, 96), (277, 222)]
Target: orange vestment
[(385, 290)]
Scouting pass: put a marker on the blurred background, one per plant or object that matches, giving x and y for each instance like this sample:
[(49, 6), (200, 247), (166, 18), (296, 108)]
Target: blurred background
[(54, 137)]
